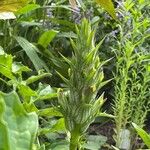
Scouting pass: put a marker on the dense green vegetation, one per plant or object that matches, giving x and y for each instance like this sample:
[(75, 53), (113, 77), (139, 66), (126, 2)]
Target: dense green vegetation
[(74, 75)]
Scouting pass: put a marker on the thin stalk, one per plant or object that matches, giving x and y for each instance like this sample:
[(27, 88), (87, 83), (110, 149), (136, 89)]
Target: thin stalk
[(75, 139)]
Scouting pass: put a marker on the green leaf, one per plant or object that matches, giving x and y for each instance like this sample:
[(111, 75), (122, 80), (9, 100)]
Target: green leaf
[(62, 22), (28, 8), (115, 148), (12, 5), (31, 51), (6, 66), (108, 6), (17, 127), (18, 68), (60, 145), (47, 37), (36, 78), (63, 78), (59, 126), (48, 96), (45, 92), (50, 112), (105, 115), (26, 92), (94, 142), (145, 136), (67, 34), (30, 107)]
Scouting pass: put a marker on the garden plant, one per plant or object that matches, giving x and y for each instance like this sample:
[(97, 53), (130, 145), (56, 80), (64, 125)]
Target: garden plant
[(74, 74)]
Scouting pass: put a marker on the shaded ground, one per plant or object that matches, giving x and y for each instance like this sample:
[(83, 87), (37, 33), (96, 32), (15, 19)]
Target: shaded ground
[(107, 129)]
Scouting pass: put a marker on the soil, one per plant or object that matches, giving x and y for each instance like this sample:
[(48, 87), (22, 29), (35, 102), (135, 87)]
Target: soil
[(107, 130)]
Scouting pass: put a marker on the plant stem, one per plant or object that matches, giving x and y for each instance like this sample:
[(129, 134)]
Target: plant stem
[(75, 140)]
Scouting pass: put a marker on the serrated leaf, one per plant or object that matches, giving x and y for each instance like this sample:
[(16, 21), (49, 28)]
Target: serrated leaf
[(108, 6)]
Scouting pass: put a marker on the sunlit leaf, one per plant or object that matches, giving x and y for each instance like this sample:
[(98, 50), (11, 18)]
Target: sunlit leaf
[(47, 37), (108, 6), (6, 66), (12, 5), (28, 8)]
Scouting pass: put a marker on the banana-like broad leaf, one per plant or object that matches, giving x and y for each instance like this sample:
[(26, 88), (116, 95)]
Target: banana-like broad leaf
[(108, 6), (12, 5), (17, 127)]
